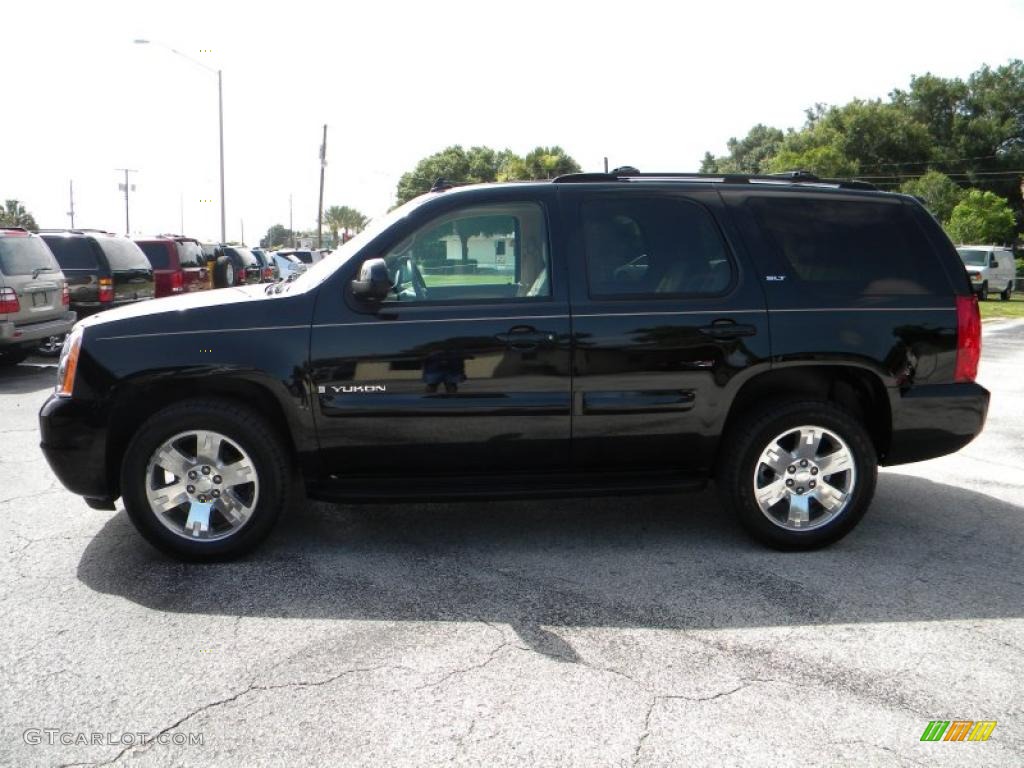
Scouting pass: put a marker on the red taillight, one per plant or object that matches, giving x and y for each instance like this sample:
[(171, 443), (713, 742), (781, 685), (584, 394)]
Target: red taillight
[(968, 338), (268, 273), (177, 282), (8, 301), (106, 289), (65, 296)]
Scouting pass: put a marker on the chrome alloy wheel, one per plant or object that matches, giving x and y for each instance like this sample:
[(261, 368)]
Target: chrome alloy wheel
[(202, 485), (804, 478)]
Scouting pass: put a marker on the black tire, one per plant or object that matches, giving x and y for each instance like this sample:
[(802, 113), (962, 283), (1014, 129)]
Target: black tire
[(10, 357), (225, 275), (51, 346), (243, 426), (740, 459), (983, 294), (1006, 293)]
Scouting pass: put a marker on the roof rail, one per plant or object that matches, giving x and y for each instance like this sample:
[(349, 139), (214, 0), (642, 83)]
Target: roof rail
[(75, 231), (788, 177)]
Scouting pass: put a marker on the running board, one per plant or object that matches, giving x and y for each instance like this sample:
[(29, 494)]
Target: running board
[(364, 489)]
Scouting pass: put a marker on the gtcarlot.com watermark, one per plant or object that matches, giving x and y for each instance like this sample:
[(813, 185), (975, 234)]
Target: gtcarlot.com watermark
[(56, 736)]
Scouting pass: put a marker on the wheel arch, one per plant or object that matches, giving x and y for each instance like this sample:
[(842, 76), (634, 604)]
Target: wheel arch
[(857, 390), (140, 400)]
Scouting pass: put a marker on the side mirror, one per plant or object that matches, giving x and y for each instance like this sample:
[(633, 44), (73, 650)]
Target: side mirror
[(374, 282)]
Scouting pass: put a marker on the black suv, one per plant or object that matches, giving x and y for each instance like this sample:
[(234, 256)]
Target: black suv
[(601, 333), (103, 270)]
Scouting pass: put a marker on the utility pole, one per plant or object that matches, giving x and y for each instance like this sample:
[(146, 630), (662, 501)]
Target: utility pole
[(71, 194), (290, 229), (125, 187), (320, 210), (242, 222), (606, 165)]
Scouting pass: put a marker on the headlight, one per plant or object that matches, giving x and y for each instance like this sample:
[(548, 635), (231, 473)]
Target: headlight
[(68, 363)]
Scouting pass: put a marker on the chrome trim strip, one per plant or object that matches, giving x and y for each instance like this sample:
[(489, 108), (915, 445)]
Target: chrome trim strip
[(679, 312), (870, 309), (206, 330), (442, 320)]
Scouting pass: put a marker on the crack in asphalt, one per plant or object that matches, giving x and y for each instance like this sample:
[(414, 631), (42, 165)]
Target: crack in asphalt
[(136, 749)]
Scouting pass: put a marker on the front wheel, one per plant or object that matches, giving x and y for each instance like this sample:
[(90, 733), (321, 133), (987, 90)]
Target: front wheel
[(983, 294), (205, 479), (798, 475), (51, 346)]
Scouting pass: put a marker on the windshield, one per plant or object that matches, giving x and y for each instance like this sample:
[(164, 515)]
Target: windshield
[(324, 268), (24, 255), (973, 258)]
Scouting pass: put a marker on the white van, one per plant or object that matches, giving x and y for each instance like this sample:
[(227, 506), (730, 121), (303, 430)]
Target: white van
[(990, 268)]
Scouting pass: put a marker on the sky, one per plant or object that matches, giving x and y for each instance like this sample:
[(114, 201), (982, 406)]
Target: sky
[(644, 83)]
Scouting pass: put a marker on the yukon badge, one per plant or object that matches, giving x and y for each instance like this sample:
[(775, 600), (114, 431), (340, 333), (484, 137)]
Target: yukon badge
[(337, 389)]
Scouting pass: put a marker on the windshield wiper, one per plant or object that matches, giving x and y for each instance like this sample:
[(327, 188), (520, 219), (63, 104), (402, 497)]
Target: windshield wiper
[(37, 270)]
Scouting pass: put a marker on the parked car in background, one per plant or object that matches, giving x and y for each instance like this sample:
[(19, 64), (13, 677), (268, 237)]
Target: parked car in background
[(246, 268), (34, 296), (178, 264), (991, 268), (103, 270), (306, 256), (288, 265), (270, 272)]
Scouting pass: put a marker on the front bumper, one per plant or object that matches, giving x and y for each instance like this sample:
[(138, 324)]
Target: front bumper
[(932, 421), (74, 442), (10, 333)]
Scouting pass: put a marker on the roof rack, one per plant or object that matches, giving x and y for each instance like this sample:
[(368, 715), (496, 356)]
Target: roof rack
[(628, 173), (75, 231)]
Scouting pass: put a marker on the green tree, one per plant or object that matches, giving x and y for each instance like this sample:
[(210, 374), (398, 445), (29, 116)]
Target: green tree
[(981, 218), (483, 164), (939, 192), (277, 236), (13, 214), (342, 218), (751, 154)]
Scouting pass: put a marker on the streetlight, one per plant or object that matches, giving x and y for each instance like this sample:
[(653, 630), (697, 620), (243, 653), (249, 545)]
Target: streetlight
[(220, 116)]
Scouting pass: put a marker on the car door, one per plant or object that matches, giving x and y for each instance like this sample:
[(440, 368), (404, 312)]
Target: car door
[(465, 366), (666, 325)]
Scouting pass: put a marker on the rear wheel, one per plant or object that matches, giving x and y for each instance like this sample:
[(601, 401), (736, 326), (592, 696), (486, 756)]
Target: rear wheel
[(1007, 292), (798, 475), (205, 479), (51, 346)]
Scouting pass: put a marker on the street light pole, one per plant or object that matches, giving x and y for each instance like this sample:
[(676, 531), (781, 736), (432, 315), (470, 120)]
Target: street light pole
[(220, 124)]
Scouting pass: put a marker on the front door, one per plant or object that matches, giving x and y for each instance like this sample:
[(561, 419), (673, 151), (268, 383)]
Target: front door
[(465, 366), (666, 326)]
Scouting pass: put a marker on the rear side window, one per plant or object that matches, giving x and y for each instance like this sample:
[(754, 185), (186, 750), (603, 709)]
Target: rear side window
[(850, 247), (24, 255), (123, 255), (190, 255), (653, 246), (73, 252), (157, 254)]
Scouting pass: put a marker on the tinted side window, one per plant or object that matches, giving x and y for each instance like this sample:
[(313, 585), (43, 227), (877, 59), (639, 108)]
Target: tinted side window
[(190, 255), (653, 246), (851, 247), (157, 254), (123, 255), (73, 252)]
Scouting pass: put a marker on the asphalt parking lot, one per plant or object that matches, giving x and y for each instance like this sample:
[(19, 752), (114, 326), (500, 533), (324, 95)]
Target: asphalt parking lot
[(614, 631)]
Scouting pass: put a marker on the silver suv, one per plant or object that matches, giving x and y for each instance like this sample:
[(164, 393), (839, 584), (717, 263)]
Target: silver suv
[(33, 295)]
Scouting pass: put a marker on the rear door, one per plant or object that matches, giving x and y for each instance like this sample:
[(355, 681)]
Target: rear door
[(79, 260), (465, 367), (129, 268), (668, 321)]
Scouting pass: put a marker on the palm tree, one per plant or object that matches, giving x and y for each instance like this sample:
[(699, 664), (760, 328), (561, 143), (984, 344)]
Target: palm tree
[(342, 218), (13, 214)]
